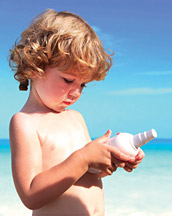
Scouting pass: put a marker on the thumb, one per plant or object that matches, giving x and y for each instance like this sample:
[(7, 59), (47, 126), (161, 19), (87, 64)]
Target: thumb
[(107, 135)]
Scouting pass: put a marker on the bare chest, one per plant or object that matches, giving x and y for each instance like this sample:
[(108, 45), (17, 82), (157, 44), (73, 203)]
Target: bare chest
[(60, 135)]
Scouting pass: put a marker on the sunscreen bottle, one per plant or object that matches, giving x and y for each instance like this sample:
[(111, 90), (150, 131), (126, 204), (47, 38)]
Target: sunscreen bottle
[(129, 144)]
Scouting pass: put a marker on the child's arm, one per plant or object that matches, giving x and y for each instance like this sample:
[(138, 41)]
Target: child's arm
[(36, 187)]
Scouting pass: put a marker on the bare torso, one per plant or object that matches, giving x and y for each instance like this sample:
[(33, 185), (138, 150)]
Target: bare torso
[(60, 135)]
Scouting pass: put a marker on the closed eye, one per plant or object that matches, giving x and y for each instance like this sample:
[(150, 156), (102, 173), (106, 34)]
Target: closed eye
[(68, 81)]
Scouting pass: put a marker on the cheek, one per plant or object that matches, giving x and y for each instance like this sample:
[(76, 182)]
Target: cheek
[(45, 91), (58, 90), (51, 90)]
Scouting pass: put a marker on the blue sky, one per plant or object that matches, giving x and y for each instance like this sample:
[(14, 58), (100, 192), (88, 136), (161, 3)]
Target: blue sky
[(137, 93)]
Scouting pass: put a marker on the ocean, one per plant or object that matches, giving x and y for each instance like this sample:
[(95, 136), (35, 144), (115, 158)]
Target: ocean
[(147, 191)]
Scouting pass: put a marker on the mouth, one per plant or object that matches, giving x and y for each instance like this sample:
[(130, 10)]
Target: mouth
[(67, 103)]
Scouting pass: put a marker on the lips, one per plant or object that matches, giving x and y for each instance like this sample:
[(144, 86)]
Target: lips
[(67, 103)]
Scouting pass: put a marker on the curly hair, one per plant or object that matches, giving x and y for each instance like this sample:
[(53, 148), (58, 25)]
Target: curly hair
[(59, 39)]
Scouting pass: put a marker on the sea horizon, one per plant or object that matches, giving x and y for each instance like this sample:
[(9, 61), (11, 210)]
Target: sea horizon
[(4, 142)]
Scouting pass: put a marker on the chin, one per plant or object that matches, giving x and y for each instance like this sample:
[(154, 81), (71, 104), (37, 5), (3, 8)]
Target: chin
[(59, 109)]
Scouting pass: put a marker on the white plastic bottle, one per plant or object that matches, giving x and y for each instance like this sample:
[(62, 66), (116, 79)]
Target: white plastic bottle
[(129, 144)]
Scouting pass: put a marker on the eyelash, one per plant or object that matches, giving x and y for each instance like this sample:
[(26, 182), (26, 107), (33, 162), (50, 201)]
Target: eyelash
[(71, 81), (68, 81), (83, 85)]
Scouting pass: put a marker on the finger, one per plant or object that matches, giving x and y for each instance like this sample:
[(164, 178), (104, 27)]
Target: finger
[(128, 169), (113, 168), (108, 171), (134, 163), (119, 155), (138, 161), (140, 155), (131, 165), (105, 137), (118, 163)]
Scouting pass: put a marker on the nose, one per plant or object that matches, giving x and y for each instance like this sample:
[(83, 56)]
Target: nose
[(75, 92)]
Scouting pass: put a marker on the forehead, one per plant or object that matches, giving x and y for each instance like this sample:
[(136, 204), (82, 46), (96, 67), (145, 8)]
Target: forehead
[(54, 71)]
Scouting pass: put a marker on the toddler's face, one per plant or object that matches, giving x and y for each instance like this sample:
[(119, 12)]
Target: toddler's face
[(58, 90)]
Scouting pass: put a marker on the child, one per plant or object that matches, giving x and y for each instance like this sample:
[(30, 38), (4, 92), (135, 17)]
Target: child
[(51, 148)]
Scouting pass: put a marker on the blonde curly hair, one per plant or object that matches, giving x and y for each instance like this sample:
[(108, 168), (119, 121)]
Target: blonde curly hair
[(59, 39)]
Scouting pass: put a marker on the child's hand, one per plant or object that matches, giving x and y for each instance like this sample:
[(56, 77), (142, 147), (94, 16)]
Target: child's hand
[(133, 165), (101, 156)]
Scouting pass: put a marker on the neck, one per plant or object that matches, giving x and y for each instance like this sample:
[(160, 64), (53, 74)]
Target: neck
[(34, 103)]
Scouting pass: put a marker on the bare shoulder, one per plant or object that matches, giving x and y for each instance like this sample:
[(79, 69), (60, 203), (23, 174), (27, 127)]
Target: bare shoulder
[(80, 118), (77, 115), (20, 116), (23, 130), (22, 121)]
